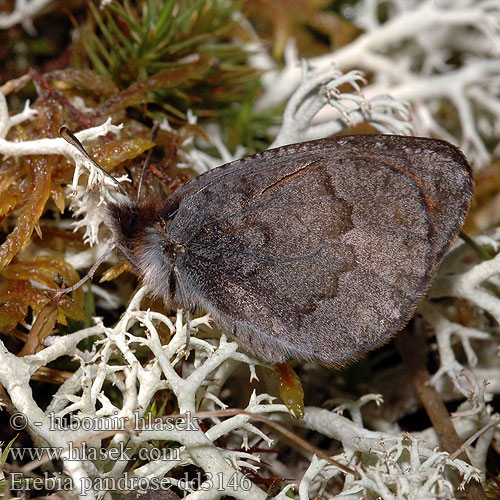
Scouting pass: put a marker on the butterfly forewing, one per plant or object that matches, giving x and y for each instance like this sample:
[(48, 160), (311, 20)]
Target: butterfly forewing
[(320, 250)]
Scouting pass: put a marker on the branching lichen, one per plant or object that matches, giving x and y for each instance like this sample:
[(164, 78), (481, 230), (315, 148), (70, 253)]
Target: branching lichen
[(425, 72)]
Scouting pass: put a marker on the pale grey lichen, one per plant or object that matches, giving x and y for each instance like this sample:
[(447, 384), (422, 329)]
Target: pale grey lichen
[(408, 56)]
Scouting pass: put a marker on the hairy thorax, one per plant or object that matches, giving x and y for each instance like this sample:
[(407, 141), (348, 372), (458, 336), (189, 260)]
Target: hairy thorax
[(141, 233)]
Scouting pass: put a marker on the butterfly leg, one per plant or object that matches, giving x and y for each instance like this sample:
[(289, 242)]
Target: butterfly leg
[(185, 305)]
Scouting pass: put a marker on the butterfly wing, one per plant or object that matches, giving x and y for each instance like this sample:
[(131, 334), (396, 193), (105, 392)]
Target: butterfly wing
[(320, 250)]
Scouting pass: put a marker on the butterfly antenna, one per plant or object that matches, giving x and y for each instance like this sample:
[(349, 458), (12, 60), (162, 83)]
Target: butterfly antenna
[(68, 136), (154, 133)]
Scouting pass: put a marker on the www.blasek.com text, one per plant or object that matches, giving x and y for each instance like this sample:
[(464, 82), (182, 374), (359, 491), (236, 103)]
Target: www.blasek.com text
[(84, 451)]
